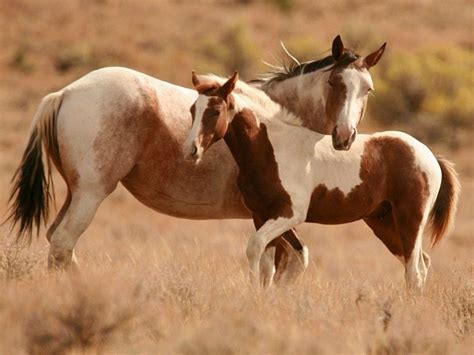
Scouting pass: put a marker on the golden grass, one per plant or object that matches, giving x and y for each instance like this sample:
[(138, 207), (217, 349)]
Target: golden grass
[(154, 284), (175, 295)]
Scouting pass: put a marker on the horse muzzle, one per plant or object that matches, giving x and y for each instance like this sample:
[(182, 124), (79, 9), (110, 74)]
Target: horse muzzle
[(343, 140), (193, 154)]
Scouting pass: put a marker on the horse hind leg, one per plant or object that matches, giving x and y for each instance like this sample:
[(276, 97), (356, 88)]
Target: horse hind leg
[(417, 262), (73, 219), (402, 235), (383, 225)]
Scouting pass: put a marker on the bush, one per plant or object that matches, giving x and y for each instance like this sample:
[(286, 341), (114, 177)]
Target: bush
[(80, 56), (234, 50), (21, 59), (16, 263), (428, 92), (283, 5)]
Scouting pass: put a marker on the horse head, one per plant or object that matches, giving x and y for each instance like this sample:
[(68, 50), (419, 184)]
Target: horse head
[(211, 114)]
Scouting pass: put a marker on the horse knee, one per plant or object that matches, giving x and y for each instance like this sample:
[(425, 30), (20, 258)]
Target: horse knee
[(60, 259), (254, 249)]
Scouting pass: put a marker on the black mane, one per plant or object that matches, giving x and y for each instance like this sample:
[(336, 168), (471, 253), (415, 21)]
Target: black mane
[(296, 69)]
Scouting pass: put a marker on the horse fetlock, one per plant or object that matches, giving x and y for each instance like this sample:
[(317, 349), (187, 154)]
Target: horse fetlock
[(267, 267), (415, 280), (426, 261), (61, 259)]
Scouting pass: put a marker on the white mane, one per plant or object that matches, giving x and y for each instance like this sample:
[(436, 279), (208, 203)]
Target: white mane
[(259, 102)]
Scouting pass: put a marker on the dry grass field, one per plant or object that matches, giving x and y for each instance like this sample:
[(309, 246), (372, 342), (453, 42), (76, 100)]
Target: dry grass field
[(152, 284)]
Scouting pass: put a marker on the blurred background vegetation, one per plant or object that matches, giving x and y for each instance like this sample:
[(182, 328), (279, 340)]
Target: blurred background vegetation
[(424, 83)]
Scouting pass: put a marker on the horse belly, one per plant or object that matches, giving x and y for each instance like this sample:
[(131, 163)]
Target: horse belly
[(332, 206), (170, 185)]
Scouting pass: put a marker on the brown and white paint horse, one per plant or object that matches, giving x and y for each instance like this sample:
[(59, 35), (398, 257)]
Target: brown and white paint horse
[(289, 175), (118, 125), (328, 95)]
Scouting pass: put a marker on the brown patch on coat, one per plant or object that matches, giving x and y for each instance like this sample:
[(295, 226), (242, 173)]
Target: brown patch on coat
[(207, 87), (312, 114), (214, 121), (337, 95), (258, 179), (387, 163)]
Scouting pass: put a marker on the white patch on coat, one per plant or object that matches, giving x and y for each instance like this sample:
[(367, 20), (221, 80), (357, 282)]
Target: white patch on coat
[(357, 82), (201, 105), (306, 159)]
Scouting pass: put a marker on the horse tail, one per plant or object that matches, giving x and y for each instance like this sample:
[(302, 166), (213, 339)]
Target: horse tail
[(442, 214), (30, 195)]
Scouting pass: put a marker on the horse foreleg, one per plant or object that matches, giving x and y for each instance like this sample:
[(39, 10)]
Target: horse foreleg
[(291, 257), (268, 265), (257, 244), (284, 259)]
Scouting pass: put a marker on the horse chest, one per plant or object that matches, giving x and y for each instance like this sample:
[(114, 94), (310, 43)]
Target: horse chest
[(259, 181)]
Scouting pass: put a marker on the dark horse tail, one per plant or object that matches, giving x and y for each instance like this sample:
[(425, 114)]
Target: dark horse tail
[(442, 215), (31, 192)]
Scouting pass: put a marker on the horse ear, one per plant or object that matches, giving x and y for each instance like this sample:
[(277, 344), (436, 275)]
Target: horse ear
[(337, 48), (374, 57), (196, 79), (229, 85)]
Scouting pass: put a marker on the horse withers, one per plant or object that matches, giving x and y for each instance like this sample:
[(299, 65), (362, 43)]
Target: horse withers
[(289, 175)]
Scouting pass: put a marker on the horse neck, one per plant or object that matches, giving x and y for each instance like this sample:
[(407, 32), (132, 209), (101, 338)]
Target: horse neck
[(249, 144), (304, 96)]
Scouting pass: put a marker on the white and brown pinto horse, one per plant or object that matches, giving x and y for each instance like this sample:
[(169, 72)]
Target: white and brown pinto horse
[(118, 125), (289, 175)]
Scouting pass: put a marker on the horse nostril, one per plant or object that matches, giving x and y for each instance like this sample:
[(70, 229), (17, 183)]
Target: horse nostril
[(194, 150), (354, 134)]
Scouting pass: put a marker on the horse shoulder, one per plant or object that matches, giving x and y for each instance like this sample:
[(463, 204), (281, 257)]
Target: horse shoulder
[(259, 175)]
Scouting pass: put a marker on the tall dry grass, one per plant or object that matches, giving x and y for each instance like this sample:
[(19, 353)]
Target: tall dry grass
[(197, 300)]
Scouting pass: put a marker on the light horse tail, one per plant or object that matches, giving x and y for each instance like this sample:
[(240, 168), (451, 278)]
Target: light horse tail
[(442, 215), (33, 188)]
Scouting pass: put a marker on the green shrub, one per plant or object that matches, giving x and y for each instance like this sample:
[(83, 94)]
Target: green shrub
[(306, 48), (361, 37), (21, 59), (234, 50), (283, 5), (80, 56), (429, 93)]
